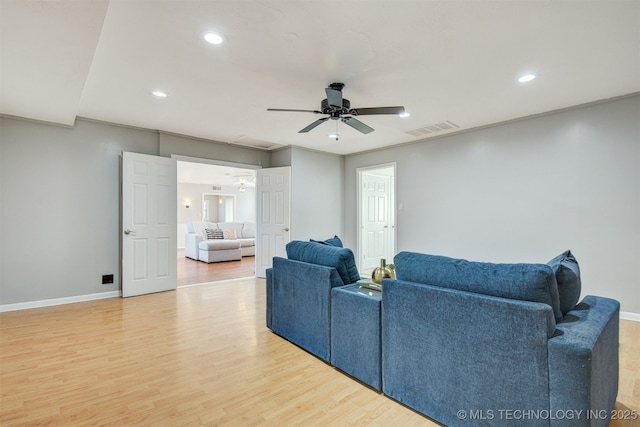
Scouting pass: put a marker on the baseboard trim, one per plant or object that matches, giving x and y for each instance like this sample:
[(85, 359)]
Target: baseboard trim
[(58, 301), (626, 315), (217, 282)]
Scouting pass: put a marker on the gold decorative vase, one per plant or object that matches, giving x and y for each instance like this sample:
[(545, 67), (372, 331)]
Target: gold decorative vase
[(382, 272)]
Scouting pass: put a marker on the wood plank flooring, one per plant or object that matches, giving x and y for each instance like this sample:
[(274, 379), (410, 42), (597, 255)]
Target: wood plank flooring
[(195, 356), (192, 272)]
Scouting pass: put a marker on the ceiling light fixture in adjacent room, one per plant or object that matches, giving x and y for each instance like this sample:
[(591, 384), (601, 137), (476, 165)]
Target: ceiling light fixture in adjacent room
[(213, 38), (526, 78)]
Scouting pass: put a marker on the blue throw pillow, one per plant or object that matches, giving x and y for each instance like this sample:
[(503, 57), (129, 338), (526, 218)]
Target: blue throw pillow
[(333, 241), (341, 259), (565, 267), (525, 282)]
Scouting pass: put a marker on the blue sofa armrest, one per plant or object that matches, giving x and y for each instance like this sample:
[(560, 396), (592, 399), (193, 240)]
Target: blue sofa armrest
[(583, 363), (301, 303), (445, 350)]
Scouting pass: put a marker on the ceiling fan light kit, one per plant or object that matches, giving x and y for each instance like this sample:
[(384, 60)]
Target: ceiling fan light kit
[(338, 108)]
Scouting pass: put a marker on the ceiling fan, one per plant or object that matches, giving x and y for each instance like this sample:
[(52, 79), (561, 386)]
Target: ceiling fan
[(338, 108)]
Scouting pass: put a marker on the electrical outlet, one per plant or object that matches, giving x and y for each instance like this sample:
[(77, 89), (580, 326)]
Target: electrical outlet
[(107, 279)]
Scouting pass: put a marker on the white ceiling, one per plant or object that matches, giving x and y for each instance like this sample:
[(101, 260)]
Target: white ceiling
[(202, 173), (443, 60)]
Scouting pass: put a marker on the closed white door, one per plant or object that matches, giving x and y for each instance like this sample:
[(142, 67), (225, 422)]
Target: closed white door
[(273, 188), (376, 218), (149, 217)]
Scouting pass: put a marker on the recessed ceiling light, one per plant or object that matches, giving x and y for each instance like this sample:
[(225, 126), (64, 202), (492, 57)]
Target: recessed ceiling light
[(213, 38), (404, 114), (334, 136), (527, 78), (159, 93)]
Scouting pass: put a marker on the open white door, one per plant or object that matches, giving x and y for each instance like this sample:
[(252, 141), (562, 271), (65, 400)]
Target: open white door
[(377, 225), (273, 189), (149, 236)]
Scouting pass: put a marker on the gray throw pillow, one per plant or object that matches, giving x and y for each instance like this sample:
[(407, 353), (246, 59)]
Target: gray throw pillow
[(214, 233)]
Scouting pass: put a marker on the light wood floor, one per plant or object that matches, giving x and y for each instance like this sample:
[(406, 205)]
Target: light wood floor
[(192, 272), (195, 356)]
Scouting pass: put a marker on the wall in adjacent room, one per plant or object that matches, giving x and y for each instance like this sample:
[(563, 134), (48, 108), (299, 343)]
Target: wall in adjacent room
[(245, 209), (525, 191)]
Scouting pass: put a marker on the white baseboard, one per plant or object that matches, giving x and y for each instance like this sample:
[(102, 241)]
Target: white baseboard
[(626, 315), (58, 301)]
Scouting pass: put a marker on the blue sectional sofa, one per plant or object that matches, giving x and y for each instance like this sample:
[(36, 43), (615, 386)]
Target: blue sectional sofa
[(471, 343), (465, 343), (299, 292)]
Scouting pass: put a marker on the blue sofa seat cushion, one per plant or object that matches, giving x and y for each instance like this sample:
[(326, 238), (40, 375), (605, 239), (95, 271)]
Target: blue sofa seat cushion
[(341, 259), (565, 266), (525, 282)]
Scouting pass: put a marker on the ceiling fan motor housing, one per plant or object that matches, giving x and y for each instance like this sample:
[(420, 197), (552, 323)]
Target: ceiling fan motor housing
[(335, 112), (338, 108)]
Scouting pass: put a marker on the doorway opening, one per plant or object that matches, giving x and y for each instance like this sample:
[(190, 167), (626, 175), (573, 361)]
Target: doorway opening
[(376, 216), (216, 193)]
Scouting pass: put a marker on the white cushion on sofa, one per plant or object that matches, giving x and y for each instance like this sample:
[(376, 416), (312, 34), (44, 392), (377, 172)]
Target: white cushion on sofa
[(235, 226), (198, 227), (244, 243), (218, 244), (249, 230)]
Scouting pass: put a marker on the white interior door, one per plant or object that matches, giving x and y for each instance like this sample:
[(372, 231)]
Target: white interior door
[(273, 189), (377, 228), (149, 235)]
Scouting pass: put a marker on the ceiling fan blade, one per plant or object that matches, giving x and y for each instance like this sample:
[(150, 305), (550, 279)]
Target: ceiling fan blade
[(376, 110), (314, 124), (298, 111), (357, 125), (334, 97)]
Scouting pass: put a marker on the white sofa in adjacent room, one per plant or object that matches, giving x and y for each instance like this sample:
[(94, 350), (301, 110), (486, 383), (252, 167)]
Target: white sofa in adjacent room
[(239, 240)]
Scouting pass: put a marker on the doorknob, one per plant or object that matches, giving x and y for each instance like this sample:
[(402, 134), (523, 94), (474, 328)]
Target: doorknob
[(285, 229), (127, 232)]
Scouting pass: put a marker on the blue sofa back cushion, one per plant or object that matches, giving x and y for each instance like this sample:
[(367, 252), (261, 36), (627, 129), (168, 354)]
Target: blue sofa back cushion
[(565, 266), (341, 259), (525, 282), (332, 241)]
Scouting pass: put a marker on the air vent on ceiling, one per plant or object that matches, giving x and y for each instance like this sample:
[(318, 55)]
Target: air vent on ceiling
[(434, 128), (255, 143)]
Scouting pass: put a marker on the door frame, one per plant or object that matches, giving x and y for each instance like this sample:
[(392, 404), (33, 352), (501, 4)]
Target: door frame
[(221, 163), (393, 209)]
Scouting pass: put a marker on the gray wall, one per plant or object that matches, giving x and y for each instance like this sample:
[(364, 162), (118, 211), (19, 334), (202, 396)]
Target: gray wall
[(317, 192), (317, 195), (73, 176), (524, 192), (60, 202)]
